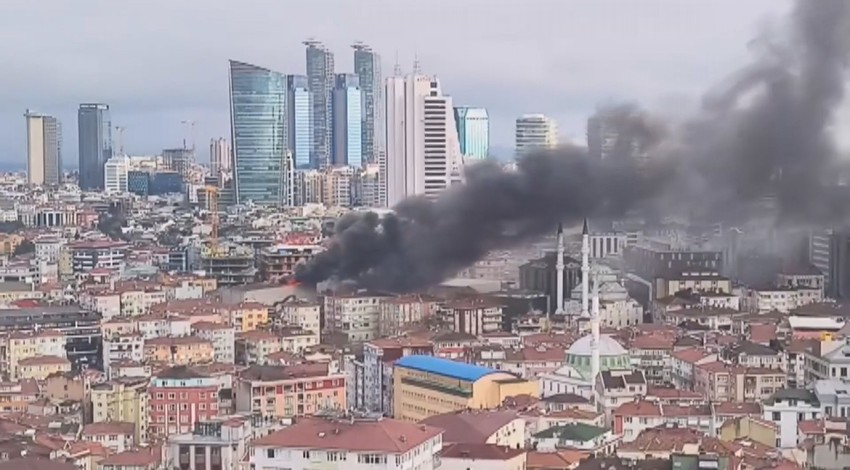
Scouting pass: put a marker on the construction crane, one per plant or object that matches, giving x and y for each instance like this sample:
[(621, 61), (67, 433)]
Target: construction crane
[(212, 204), (120, 131)]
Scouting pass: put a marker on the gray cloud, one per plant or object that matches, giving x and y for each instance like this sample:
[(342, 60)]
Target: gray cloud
[(158, 62)]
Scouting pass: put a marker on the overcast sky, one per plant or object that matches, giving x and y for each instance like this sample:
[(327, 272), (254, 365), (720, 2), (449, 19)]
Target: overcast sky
[(157, 62)]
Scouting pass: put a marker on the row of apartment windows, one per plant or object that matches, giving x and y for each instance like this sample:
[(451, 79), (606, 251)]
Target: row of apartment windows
[(185, 395)]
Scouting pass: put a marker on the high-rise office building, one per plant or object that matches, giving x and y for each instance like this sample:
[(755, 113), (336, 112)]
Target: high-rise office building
[(347, 121), (535, 131), (299, 127), (95, 143), (44, 149), (258, 126), (220, 157), (116, 174), (320, 79), (473, 130), (367, 66), (422, 144)]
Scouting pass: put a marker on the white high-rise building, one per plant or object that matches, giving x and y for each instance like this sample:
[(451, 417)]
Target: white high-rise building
[(115, 174), (44, 155), (422, 142), (535, 131), (220, 158)]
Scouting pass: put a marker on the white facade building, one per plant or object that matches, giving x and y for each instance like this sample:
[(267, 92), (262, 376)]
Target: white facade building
[(222, 337), (349, 444), (603, 245), (617, 309), (422, 141), (44, 155), (535, 131), (787, 408), (128, 347), (354, 315), (47, 249), (115, 174)]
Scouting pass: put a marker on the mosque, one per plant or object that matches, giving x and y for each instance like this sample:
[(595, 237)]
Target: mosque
[(591, 354)]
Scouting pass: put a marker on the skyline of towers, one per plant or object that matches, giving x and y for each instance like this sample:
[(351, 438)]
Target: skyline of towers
[(473, 129), (535, 131), (320, 80), (258, 122), (94, 126), (44, 149)]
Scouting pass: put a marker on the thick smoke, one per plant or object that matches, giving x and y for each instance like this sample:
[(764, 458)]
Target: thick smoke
[(764, 133)]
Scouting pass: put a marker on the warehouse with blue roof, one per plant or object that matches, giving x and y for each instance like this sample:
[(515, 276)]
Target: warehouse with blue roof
[(425, 386)]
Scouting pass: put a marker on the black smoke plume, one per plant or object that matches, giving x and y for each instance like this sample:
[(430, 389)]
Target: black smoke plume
[(763, 133)]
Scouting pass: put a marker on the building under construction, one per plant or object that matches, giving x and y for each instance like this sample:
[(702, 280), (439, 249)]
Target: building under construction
[(228, 263), (278, 262)]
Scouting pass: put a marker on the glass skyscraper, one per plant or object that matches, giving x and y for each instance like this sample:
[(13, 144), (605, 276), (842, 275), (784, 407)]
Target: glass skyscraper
[(95, 143), (320, 78), (299, 127), (258, 127), (367, 66), (347, 121), (473, 130)]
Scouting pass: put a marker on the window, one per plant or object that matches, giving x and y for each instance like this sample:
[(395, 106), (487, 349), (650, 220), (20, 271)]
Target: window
[(776, 416), (270, 453), (306, 454)]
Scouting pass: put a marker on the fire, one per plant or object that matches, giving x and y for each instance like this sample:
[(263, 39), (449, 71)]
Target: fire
[(292, 282)]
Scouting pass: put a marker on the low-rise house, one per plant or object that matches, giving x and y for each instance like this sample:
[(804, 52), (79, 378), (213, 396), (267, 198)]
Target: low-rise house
[(117, 436), (576, 436), (503, 428), (490, 456)]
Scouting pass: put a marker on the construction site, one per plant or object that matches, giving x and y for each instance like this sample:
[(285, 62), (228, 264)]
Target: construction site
[(229, 263)]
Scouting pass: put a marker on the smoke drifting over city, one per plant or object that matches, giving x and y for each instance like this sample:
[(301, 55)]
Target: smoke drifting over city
[(765, 132)]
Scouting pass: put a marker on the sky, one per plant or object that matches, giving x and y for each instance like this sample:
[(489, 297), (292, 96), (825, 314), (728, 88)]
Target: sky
[(160, 62)]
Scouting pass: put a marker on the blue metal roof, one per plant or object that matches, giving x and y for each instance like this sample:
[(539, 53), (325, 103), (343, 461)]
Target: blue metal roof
[(445, 367)]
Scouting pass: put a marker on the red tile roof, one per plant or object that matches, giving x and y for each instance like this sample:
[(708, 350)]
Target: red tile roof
[(638, 408), (479, 452), (385, 435), (144, 457), (121, 428), (44, 361)]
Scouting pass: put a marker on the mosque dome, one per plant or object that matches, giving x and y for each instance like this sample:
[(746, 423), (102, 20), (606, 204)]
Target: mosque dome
[(612, 355)]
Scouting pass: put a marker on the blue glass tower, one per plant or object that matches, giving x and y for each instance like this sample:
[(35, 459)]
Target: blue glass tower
[(95, 143), (347, 121), (473, 130), (299, 127), (258, 130)]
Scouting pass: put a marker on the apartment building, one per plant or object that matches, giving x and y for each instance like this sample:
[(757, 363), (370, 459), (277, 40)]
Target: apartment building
[(255, 346), (39, 367), (303, 314), (718, 381), (116, 436), (378, 358), (355, 315), (183, 350), (247, 316), (398, 314), (358, 443), (287, 391), (179, 398), (476, 315), (20, 346), (121, 348), (221, 336), (683, 363), (122, 399)]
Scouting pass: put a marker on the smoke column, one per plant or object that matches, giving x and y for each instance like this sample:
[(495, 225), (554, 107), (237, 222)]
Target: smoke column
[(765, 132)]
